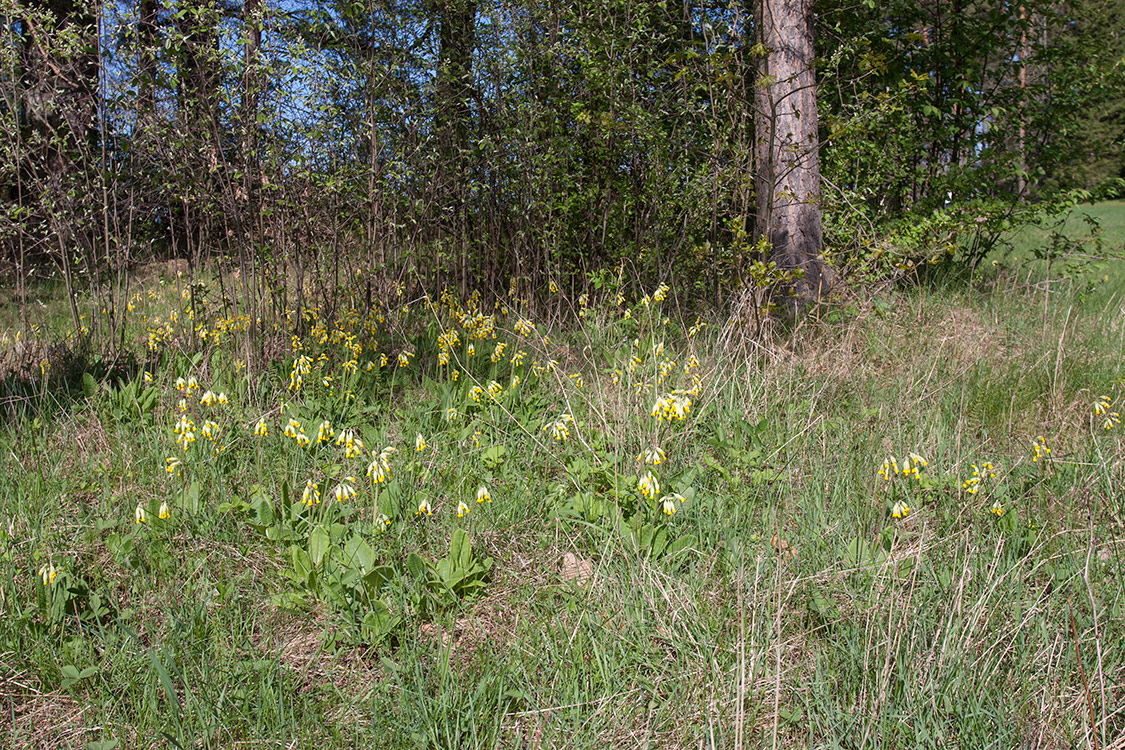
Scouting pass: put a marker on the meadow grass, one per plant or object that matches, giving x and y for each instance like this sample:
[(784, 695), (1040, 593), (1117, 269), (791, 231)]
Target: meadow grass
[(774, 590)]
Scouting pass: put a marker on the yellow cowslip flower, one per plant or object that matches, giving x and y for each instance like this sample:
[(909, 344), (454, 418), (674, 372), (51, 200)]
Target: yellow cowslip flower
[(165, 512), (180, 384), (369, 366), (462, 509), (172, 465), (455, 375), (311, 495), (673, 406), (524, 327), (208, 399), (518, 357), (139, 514), (292, 428), (452, 415), (383, 360), (404, 358), (997, 509), (475, 393), (303, 440), (210, 429), (553, 287), (889, 469), (652, 456), (1039, 449), (971, 485), (1101, 406), (577, 380), (495, 389), (424, 508), (472, 349), (443, 357), (912, 463), (900, 509), (182, 405), (325, 433), (648, 485), (419, 443), (560, 428), (483, 494), (47, 573), (345, 489), (668, 503), (1112, 419), (498, 352), (147, 376), (192, 385), (262, 429)]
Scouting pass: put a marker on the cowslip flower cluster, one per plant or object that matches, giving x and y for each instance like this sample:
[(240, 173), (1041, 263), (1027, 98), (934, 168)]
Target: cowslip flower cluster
[(380, 467), (345, 489), (47, 573), (985, 470), (483, 495), (1101, 408), (560, 428), (262, 429), (668, 503), (185, 432), (648, 485), (652, 456), (900, 509), (311, 495), (352, 444), (911, 467), (673, 406), (294, 430), (325, 434), (1039, 449)]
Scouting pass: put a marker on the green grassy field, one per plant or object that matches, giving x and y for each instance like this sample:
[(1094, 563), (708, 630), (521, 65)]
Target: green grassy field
[(901, 529)]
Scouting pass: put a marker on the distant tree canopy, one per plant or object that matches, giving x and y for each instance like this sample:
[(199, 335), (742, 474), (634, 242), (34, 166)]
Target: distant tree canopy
[(480, 143)]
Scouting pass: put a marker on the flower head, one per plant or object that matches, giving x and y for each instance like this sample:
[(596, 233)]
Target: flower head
[(345, 489), (325, 433), (668, 503), (424, 508), (997, 509), (889, 469), (652, 456), (1039, 449), (419, 443), (311, 495), (649, 486), (262, 429), (462, 509), (900, 509), (483, 494), (139, 515), (165, 512), (47, 573)]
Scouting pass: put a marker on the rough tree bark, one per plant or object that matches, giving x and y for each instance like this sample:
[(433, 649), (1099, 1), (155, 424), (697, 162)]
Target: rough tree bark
[(787, 149)]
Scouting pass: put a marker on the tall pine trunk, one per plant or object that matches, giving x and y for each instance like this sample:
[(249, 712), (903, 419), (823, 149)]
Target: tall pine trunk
[(787, 149)]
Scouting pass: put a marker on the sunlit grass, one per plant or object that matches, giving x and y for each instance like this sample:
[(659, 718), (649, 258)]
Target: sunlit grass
[(451, 522)]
